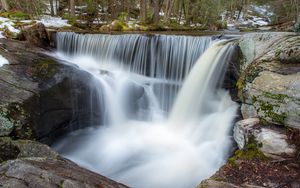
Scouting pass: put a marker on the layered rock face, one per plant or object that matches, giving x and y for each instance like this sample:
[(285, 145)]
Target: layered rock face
[(270, 83)]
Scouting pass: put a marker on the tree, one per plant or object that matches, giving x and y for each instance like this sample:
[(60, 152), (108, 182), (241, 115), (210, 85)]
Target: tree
[(5, 5), (72, 8), (143, 10)]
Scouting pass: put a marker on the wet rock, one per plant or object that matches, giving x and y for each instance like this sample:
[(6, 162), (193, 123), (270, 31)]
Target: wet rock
[(13, 149), (42, 98), (48, 173), (25, 163)]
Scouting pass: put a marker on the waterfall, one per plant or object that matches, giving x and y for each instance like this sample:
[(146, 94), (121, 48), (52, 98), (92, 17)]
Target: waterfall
[(168, 59), (143, 143)]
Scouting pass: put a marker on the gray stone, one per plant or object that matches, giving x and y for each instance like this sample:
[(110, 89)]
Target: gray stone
[(248, 111), (243, 130), (269, 86), (276, 98), (43, 97), (255, 45), (216, 184), (50, 173), (273, 143)]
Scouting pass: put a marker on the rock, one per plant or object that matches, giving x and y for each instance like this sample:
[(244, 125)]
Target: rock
[(273, 143), (37, 35), (116, 25), (14, 149), (25, 163), (245, 129), (215, 184), (255, 45), (269, 86), (48, 173), (248, 111), (276, 98), (43, 98), (6, 127)]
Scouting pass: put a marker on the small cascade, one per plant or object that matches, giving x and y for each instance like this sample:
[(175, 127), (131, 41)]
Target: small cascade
[(142, 144)]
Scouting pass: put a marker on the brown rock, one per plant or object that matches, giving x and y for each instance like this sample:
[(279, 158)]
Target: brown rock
[(37, 35)]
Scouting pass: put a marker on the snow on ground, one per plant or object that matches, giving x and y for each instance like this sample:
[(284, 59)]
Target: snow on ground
[(3, 61), (7, 23), (257, 16), (50, 21)]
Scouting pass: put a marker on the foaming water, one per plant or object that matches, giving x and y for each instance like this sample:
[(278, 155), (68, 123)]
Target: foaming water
[(141, 144)]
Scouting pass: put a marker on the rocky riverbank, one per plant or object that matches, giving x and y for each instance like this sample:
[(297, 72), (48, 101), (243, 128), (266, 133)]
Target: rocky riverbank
[(268, 139), (42, 98)]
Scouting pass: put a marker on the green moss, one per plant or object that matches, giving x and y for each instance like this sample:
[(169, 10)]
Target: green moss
[(269, 112), (18, 15), (250, 152), (279, 97), (44, 69), (253, 73), (217, 179)]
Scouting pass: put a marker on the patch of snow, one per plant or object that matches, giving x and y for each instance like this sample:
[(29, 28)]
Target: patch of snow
[(26, 21), (2, 19), (6, 23), (3, 61), (50, 21)]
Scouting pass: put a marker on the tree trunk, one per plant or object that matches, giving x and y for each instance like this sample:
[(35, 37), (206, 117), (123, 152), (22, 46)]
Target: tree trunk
[(5, 5), (143, 10), (51, 7), (72, 8), (156, 11)]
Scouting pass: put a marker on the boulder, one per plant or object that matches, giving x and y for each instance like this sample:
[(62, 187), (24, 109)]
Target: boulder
[(25, 164), (37, 35), (269, 85), (244, 130), (271, 142), (41, 97), (49, 173)]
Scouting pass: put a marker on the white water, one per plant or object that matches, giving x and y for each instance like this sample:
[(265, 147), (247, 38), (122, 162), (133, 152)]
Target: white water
[(139, 145)]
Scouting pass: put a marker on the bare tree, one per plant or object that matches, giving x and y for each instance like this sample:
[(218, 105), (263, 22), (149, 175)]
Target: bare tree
[(5, 5), (72, 7)]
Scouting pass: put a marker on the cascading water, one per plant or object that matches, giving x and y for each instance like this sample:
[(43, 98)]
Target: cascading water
[(141, 144)]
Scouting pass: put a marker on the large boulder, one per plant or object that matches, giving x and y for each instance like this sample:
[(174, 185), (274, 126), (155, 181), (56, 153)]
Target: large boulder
[(269, 85), (25, 164), (41, 97), (271, 142)]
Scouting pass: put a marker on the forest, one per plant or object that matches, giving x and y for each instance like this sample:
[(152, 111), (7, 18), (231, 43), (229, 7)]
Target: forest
[(209, 14)]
